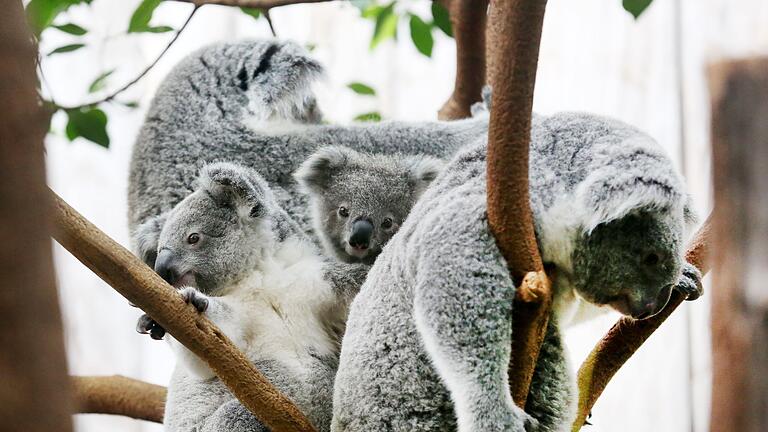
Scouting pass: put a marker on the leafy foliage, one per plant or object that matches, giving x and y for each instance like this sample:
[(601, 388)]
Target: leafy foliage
[(141, 17), (100, 82), (421, 34), (72, 29), (41, 13), (373, 116), (66, 48), (89, 123), (441, 19), (361, 89)]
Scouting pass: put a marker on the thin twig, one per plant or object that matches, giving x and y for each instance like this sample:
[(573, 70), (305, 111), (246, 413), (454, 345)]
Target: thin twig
[(131, 83)]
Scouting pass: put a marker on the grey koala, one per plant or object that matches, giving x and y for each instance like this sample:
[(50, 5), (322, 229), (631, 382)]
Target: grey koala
[(360, 200), (428, 337), (251, 103), (244, 262)]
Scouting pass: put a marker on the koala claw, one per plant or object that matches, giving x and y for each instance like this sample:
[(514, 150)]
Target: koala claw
[(195, 298), (146, 325), (690, 282)]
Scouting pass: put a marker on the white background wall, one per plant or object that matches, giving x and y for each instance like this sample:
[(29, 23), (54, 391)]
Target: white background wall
[(594, 57)]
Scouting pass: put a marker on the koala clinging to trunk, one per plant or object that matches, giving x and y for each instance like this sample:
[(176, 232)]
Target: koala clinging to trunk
[(244, 262), (428, 337), (359, 200)]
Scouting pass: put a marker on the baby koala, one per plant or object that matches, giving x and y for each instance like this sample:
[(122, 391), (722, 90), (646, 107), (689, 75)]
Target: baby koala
[(238, 258), (359, 200)]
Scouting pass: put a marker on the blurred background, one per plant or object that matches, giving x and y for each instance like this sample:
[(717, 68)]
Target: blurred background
[(595, 57)]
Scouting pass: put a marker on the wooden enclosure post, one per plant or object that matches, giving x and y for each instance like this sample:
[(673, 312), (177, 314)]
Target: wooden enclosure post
[(34, 387), (514, 34), (740, 298), (468, 19)]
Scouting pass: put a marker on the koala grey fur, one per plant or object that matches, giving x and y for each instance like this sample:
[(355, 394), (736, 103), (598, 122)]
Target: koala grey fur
[(241, 260), (428, 337), (359, 200), (250, 103)]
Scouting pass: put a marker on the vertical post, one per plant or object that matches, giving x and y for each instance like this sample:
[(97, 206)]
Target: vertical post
[(740, 299), (34, 386), (514, 35), (468, 18)]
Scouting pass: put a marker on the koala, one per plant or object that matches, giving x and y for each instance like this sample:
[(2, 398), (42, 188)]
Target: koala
[(251, 103), (428, 338), (242, 261), (360, 200)]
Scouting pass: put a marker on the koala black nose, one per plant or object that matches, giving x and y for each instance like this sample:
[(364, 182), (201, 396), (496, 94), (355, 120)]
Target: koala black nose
[(362, 230), (165, 266)]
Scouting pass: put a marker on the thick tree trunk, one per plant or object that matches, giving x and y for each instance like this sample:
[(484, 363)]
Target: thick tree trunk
[(33, 379), (514, 35), (740, 298)]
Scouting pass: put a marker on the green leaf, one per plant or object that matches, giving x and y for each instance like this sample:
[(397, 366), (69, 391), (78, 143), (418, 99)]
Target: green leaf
[(72, 29), (421, 34), (41, 13), (371, 11), (441, 18), (369, 117), (158, 29), (386, 25), (90, 124), (142, 15), (255, 13), (131, 104), (100, 82), (362, 4), (67, 48), (361, 89), (636, 7)]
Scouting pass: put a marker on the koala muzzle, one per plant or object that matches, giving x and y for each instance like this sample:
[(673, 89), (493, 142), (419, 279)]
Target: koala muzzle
[(651, 307), (167, 267), (362, 230)]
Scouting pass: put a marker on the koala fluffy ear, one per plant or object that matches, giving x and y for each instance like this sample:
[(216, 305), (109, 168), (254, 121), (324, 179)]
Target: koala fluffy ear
[(423, 170), (146, 236), (236, 186), (314, 174)]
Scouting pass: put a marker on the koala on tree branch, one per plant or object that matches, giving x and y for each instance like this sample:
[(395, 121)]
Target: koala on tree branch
[(244, 262), (428, 338)]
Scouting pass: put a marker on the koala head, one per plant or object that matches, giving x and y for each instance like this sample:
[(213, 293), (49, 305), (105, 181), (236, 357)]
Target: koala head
[(360, 200), (629, 253), (219, 233)]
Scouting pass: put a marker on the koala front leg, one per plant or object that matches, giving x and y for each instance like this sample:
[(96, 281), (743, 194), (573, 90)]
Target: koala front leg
[(690, 282), (462, 305), (346, 279), (232, 416)]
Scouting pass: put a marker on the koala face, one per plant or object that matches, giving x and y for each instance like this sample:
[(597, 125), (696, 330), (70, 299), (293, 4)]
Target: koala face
[(217, 234), (631, 263), (360, 200)]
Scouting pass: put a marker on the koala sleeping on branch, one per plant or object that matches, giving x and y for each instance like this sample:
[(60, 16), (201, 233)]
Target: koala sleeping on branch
[(244, 262), (428, 337)]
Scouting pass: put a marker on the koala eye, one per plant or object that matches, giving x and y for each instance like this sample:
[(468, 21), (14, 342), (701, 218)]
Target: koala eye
[(343, 212), (386, 223), (651, 259), (193, 238), (256, 210)]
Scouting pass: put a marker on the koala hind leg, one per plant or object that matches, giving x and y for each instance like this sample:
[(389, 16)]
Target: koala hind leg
[(232, 416)]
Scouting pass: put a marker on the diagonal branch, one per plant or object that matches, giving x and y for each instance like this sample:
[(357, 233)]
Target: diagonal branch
[(627, 335), (144, 288), (119, 395), (468, 18), (514, 35)]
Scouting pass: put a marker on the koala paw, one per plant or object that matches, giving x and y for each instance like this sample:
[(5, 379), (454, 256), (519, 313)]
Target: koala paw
[(195, 298), (146, 325), (529, 423), (690, 282)]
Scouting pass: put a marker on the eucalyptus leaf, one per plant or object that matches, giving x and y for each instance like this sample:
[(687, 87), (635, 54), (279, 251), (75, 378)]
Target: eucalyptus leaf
[(41, 13), (253, 12), (441, 18), (361, 89), (72, 29), (369, 117), (386, 25), (636, 7), (421, 34), (142, 16), (66, 48), (89, 123), (100, 82)]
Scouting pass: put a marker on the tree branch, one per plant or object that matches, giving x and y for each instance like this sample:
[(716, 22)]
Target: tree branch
[(130, 84), (256, 4), (144, 288), (627, 335), (514, 35), (468, 18), (34, 395), (119, 395)]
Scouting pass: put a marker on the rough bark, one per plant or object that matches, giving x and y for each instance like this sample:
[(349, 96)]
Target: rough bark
[(34, 390), (514, 34), (740, 302), (468, 18), (144, 288), (119, 395), (627, 335)]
